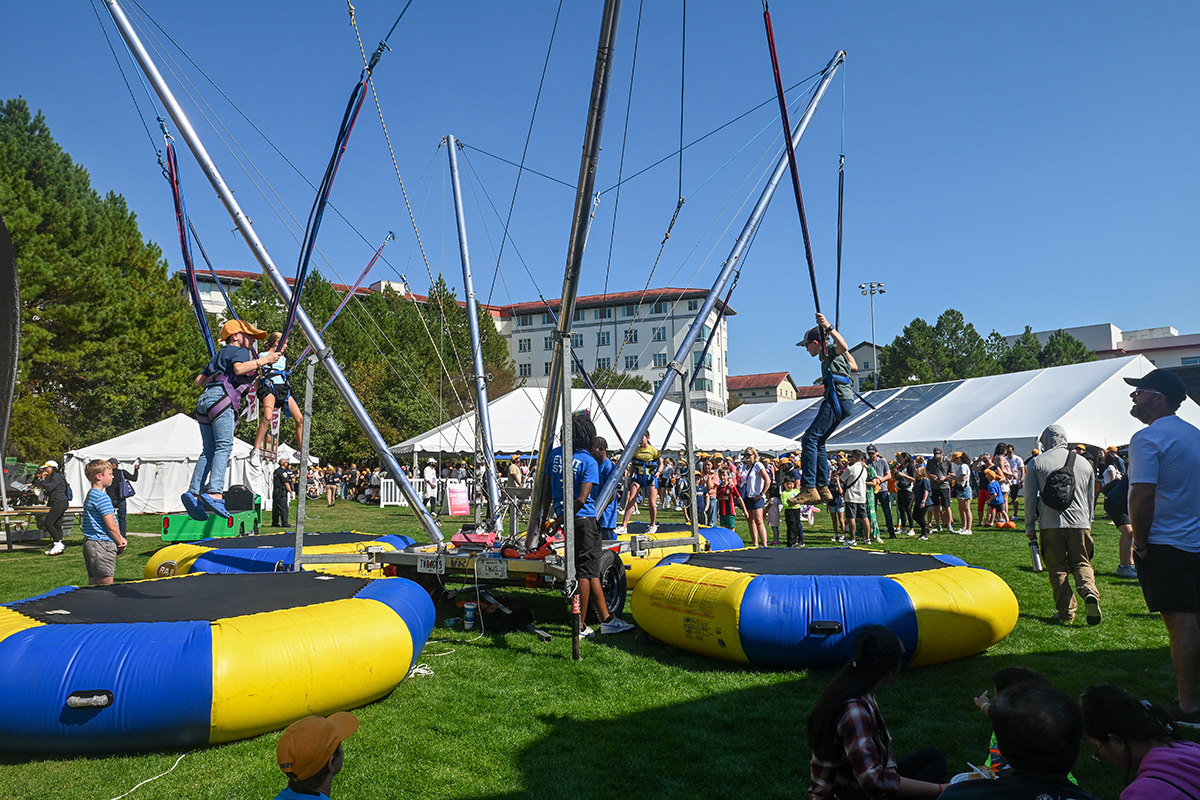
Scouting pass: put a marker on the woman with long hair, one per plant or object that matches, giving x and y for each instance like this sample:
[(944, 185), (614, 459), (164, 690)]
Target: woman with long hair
[(1141, 738), (273, 390), (902, 471), (756, 481), (851, 748)]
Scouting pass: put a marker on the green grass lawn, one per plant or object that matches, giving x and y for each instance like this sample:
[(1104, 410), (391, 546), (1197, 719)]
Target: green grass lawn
[(506, 716)]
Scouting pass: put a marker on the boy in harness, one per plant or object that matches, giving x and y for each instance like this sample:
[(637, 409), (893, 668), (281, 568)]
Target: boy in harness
[(225, 379), (836, 365)]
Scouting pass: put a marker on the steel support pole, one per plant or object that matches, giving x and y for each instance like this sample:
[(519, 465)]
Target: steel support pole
[(575, 245), (690, 450), (301, 505), (727, 269), (571, 587), (482, 415), (256, 246)]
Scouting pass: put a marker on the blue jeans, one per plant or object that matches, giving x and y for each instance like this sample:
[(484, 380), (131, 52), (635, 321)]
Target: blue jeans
[(217, 441), (816, 462)]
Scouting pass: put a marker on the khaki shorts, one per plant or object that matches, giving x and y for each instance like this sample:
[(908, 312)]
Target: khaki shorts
[(100, 557)]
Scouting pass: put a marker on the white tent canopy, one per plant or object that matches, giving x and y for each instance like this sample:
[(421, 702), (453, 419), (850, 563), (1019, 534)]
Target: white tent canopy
[(168, 450), (1090, 401), (516, 420)]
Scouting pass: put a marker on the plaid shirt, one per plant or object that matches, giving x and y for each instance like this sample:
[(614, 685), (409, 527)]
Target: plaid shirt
[(865, 762)]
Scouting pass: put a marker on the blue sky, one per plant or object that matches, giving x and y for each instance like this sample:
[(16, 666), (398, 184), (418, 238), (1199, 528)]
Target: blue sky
[(1026, 163)]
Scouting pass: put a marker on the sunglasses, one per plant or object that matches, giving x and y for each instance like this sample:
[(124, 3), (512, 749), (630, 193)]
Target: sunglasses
[(1136, 392)]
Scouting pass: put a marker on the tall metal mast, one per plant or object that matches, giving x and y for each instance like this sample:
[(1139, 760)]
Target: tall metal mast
[(323, 352), (685, 348), (575, 246), (482, 415)]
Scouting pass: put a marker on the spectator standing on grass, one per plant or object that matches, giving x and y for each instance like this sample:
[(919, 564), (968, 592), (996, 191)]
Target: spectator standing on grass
[(836, 506), (429, 492), (1038, 728), (729, 499), (1116, 506), (961, 467), (850, 743), (938, 470), (117, 492), (883, 496), (606, 518), (282, 485), (793, 516), (857, 489), (922, 501), (52, 483), (310, 754), (1164, 507), (332, 477), (1067, 545), (102, 538), (902, 471), (755, 483), (983, 466), (1142, 739), (1016, 465)]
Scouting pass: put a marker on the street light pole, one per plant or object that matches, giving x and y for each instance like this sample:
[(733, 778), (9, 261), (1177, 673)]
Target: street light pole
[(873, 288)]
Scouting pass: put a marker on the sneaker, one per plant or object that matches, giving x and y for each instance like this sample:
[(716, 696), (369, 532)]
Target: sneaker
[(912, 533), (1092, 604), (57, 549), (878, 540), (964, 532), (616, 625), (587, 633), (810, 496), (852, 543), (652, 528), (1062, 619), (923, 536), (216, 505), (825, 494), (255, 459), (191, 504), (1127, 571), (1190, 719), (619, 530)]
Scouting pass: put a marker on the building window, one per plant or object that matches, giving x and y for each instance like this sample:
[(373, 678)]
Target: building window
[(578, 315), (524, 345), (546, 320), (705, 385), (576, 340), (603, 313), (629, 311), (705, 332), (603, 363), (574, 366), (657, 384), (659, 308), (547, 342), (1188, 361), (866, 365), (660, 359), (546, 368), (525, 320), (696, 364), (754, 394), (631, 336), (693, 305), (525, 370), (603, 338), (660, 334), (631, 362)]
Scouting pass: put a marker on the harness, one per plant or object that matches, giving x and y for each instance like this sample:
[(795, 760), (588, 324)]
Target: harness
[(232, 399)]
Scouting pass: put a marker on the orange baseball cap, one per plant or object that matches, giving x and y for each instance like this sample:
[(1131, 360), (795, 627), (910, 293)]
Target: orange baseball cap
[(307, 745)]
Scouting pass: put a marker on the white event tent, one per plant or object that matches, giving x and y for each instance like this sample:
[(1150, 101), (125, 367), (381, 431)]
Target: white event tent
[(168, 450), (1090, 401), (516, 420)]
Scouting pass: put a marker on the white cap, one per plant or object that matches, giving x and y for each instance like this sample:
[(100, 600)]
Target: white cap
[(51, 464)]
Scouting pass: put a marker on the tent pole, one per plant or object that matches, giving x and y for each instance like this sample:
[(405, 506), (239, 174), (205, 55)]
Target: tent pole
[(676, 367), (482, 415), (560, 370), (264, 259)]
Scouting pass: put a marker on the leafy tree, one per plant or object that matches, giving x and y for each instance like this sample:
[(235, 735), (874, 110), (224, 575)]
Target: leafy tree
[(612, 379), (949, 350), (107, 341), (1063, 348), (1025, 353)]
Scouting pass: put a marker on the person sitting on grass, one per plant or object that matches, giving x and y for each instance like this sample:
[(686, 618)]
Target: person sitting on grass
[(1001, 680), (1141, 738), (1038, 728), (102, 539), (850, 743), (310, 754)]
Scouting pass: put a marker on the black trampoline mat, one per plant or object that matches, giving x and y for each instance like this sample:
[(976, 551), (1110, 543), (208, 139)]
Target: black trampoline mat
[(285, 540), (191, 598), (815, 561)]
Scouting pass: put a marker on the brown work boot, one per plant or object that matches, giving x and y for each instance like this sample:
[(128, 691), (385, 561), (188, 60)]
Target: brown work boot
[(826, 495), (809, 496)]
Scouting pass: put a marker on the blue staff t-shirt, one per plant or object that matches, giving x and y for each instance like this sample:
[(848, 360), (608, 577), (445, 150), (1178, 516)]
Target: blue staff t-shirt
[(95, 508), (585, 470), (609, 518)]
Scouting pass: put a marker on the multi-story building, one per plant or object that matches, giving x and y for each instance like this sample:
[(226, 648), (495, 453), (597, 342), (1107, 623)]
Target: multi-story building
[(633, 332)]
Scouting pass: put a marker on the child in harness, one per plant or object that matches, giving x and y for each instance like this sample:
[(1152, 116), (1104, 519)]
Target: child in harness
[(836, 365), (274, 391)]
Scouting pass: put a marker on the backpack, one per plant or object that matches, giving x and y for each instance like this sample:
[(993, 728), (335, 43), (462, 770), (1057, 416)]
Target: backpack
[(70, 493), (1059, 488)]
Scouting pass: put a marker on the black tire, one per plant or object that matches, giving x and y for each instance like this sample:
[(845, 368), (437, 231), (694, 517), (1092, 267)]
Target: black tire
[(612, 581), (256, 527), (242, 530)]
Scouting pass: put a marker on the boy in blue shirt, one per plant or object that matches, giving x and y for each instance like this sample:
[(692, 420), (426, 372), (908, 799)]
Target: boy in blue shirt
[(607, 519), (587, 533), (102, 539)]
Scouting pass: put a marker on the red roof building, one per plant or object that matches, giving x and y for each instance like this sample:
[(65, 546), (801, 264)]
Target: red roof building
[(767, 387)]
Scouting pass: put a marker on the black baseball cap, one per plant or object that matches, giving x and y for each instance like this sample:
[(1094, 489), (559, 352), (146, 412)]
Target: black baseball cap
[(937, 451), (1162, 381)]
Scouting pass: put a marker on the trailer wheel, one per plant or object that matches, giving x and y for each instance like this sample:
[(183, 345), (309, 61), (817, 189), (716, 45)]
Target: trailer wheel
[(612, 581)]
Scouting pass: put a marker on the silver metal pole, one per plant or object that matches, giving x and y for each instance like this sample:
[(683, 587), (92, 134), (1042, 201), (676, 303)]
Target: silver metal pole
[(689, 340), (690, 449), (575, 244), (571, 587), (298, 547), (874, 354), (245, 227), (482, 415)]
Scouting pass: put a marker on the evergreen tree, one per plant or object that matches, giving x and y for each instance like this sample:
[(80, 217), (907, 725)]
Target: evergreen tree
[(1063, 348), (612, 379), (107, 341)]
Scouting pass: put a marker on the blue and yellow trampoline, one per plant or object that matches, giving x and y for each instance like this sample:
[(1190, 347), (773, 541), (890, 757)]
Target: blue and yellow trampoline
[(268, 552), (180, 662), (799, 608)]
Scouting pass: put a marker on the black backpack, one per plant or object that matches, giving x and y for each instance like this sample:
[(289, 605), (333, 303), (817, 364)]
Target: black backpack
[(1059, 489)]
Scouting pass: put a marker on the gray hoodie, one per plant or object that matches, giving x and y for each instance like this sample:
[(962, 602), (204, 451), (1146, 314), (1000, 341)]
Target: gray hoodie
[(1053, 443)]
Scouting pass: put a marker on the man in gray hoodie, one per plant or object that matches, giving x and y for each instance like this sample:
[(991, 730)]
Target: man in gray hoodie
[(1067, 545)]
